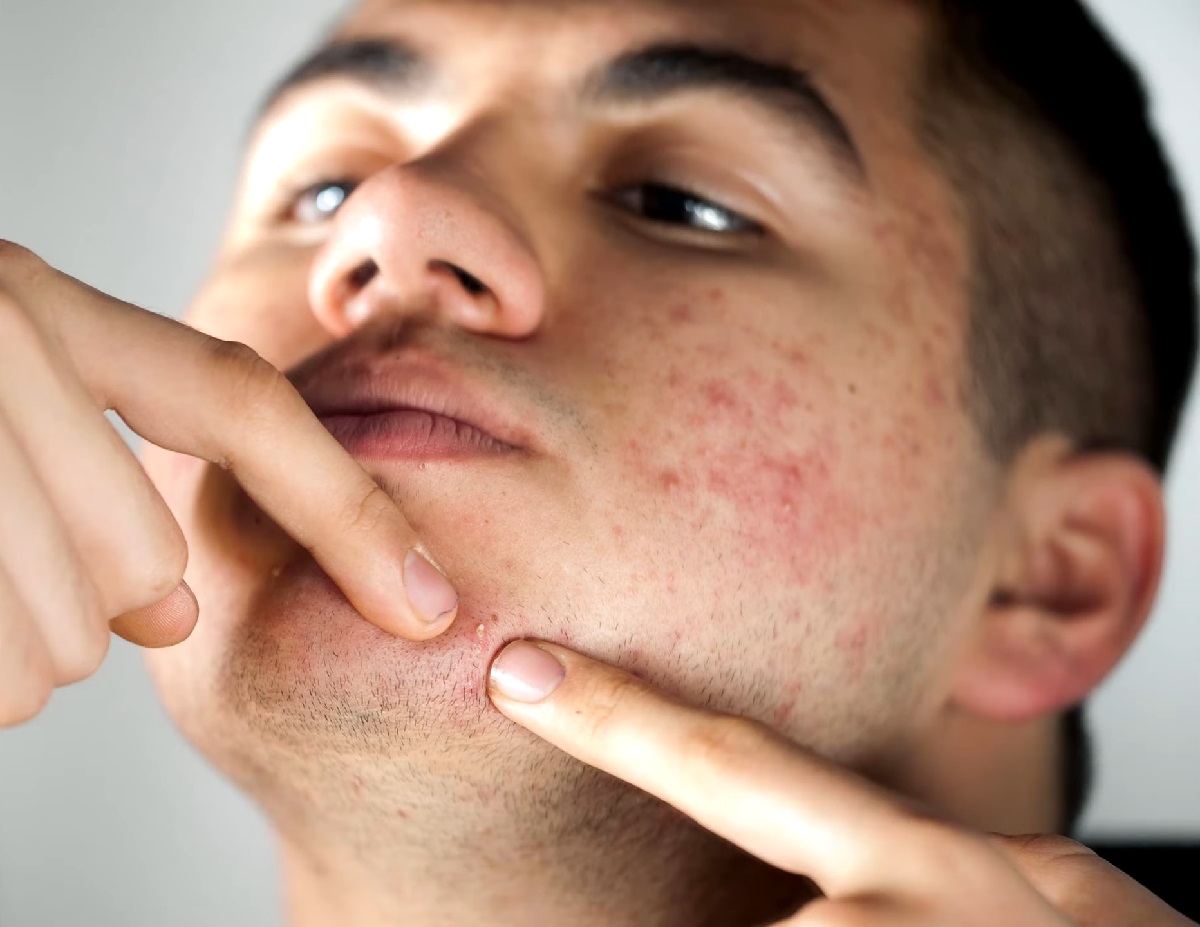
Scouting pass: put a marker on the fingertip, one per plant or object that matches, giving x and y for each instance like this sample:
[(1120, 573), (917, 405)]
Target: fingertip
[(167, 622), (525, 671)]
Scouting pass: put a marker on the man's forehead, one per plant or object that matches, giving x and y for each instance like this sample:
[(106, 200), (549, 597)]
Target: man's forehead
[(778, 25), (620, 49), (867, 54)]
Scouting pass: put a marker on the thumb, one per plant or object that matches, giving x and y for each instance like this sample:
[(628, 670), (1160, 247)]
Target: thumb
[(1088, 890), (162, 624)]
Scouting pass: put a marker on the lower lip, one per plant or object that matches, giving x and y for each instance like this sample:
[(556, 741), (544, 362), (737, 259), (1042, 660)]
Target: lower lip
[(411, 434)]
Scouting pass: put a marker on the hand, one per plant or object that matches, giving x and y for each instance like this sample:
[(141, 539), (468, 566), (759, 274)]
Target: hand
[(878, 861), (86, 542)]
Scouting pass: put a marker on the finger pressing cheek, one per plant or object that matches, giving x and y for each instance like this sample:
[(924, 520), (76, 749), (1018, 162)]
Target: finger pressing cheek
[(598, 713)]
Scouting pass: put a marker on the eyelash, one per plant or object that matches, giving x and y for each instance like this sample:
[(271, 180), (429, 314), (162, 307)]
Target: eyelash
[(311, 195), (666, 204), (658, 203)]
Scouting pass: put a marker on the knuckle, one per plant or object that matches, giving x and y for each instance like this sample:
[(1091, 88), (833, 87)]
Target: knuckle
[(363, 512), (608, 698), (1063, 869), (18, 331), (151, 573), (24, 698), (1049, 847), (84, 656), (948, 854), (719, 740), (260, 392), (244, 374), (16, 259), (143, 567)]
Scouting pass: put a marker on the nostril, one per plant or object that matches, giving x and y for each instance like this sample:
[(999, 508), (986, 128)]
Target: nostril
[(472, 285), (470, 282), (363, 274)]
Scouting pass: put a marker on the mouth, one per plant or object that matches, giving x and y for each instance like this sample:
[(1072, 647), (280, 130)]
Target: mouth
[(407, 407), (408, 433)]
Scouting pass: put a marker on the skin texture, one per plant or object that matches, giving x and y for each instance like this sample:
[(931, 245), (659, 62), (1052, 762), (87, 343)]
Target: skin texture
[(750, 478), (876, 858)]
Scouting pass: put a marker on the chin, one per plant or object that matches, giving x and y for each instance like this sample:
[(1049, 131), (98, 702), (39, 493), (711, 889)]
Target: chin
[(317, 714), (305, 636), (285, 658)]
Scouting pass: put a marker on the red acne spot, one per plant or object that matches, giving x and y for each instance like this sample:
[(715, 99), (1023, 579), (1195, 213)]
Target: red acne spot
[(669, 480), (852, 642), (719, 396), (618, 532), (784, 396), (934, 392), (785, 505), (782, 714), (674, 378), (716, 295), (681, 314)]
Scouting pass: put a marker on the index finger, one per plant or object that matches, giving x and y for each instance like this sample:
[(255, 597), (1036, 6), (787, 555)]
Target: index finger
[(220, 401), (739, 779)]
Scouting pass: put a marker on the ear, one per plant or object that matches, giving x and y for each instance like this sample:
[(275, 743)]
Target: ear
[(1078, 569)]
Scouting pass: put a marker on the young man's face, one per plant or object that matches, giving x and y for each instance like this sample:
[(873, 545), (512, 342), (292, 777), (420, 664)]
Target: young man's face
[(742, 468)]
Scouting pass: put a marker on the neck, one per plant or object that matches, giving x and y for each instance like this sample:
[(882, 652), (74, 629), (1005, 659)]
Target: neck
[(1004, 778), (594, 851), (635, 862)]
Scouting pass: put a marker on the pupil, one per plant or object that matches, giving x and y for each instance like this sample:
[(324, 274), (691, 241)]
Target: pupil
[(664, 204)]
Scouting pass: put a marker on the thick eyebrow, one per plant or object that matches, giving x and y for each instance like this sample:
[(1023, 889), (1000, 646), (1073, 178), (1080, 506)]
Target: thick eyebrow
[(640, 76), (388, 66), (648, 74)]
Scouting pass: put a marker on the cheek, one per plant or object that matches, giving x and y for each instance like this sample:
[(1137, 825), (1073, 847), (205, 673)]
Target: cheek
[(742, 441), (791, 485), (262, 301)]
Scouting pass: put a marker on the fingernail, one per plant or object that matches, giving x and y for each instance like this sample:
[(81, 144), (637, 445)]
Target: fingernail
[(526, 673), (428, 590)]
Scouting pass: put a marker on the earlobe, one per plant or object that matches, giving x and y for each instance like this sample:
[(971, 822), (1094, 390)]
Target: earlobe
[(1078, 576)]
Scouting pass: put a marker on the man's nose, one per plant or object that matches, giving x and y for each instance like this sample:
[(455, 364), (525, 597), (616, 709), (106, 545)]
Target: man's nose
[(408, 241)]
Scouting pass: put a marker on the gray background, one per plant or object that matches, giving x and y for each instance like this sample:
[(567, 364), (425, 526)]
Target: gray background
[(119, 131)]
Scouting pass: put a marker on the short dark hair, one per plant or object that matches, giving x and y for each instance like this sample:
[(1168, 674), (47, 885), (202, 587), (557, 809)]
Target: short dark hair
[(1083, 271)]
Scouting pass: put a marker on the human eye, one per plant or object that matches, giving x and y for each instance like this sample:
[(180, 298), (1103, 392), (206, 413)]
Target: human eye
[(669, 205), (315, 203)]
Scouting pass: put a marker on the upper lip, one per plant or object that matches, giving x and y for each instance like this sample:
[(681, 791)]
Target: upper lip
[(357, 383)]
